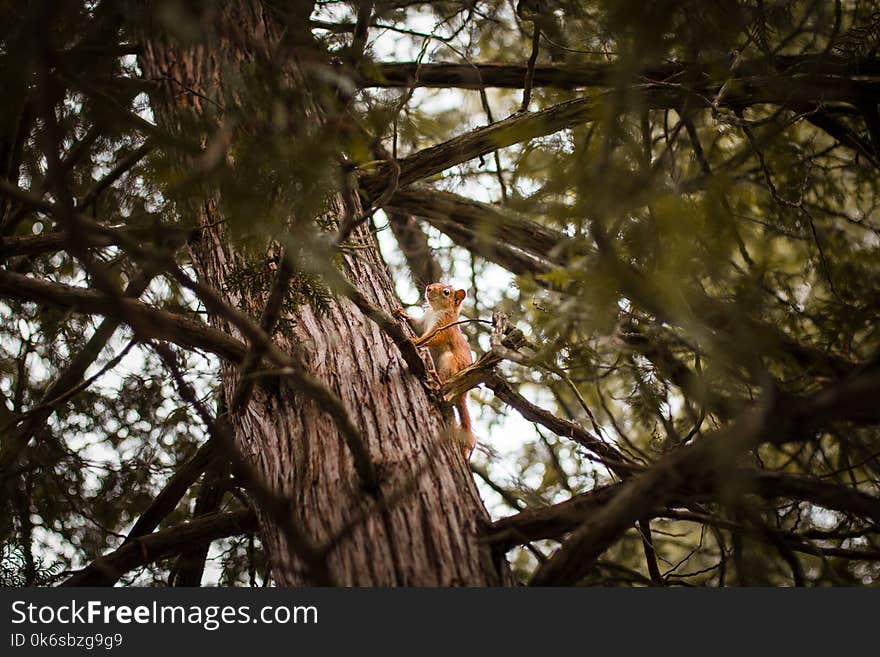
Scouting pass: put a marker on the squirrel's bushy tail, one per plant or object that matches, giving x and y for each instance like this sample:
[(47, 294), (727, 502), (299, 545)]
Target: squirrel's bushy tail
[(468, 441)]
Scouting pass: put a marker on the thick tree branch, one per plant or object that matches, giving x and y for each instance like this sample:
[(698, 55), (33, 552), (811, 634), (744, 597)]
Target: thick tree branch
[(484, 220), (836, 497), (662, 89), (174, 490), (152, 322), (163, 544), (46, 243), (516, 129), (190, 564), (552, 521), (559, 519), (423, 266), (708, 464), (512, 259), (31, 244), (813, 72)]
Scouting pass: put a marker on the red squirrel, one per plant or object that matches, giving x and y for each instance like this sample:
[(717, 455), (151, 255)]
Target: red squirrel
[(449, 348)]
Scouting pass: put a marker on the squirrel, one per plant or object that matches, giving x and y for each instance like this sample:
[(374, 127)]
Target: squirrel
[(449, 348)]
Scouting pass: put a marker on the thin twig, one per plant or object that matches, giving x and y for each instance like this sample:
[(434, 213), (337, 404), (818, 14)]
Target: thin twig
[(530, 69)]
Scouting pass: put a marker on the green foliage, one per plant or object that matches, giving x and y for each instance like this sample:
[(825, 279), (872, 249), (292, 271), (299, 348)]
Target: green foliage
[(253, 279), (19, 568)]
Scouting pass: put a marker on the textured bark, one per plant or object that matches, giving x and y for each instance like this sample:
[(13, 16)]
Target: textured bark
[(429, 536)]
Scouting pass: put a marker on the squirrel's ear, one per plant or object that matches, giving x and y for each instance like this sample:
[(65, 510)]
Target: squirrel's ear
[(459, 296)]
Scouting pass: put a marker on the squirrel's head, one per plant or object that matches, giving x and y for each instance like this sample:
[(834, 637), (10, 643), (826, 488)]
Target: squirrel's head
[(444, 297)]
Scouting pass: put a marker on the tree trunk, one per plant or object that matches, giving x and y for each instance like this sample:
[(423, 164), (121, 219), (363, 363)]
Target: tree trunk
[(432, 534)]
